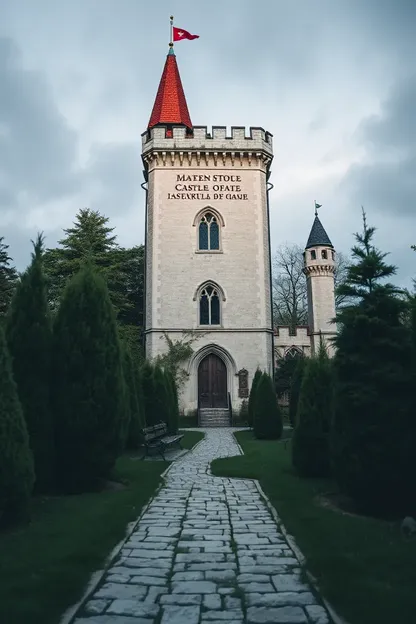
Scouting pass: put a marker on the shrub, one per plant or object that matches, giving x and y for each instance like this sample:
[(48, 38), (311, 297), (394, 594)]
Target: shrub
[(252, 397), (16, 461), (88, 385), (243, 415), (267, 418), (29, 338), (310, 444), (295, 390)]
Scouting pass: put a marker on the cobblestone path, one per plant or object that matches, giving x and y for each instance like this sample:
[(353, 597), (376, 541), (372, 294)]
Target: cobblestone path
[(207, 550)]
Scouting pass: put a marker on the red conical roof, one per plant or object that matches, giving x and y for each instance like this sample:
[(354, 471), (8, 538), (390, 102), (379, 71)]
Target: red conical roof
[(170, 105)]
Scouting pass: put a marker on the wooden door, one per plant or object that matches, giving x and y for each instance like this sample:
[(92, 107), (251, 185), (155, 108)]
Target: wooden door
[(212, 382)]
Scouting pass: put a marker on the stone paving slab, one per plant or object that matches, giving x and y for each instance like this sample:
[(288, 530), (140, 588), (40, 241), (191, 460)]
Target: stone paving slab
[(206, 550)]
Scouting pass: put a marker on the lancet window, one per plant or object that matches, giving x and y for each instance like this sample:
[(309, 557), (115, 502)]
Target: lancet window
[(209, 233)]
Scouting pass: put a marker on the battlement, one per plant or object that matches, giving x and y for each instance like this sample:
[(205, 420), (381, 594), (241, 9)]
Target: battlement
[(285, 335), (181, 139)]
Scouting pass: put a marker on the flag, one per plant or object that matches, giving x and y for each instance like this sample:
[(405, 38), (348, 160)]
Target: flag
[(180, 33), (317, 206)]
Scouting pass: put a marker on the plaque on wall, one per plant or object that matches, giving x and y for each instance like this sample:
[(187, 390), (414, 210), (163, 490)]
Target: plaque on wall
[(243, 383)]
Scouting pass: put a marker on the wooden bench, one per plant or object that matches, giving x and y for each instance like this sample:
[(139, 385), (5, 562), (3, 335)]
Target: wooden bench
[(156, 438)]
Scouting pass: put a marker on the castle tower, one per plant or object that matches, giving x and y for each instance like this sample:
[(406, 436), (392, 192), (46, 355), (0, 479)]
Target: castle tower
[(207, 249), (319, 267)]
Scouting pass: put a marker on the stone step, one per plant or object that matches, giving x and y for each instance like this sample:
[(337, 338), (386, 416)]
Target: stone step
[(214, 417)]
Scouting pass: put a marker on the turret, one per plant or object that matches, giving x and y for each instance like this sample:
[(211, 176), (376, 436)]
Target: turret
[(319, 268)]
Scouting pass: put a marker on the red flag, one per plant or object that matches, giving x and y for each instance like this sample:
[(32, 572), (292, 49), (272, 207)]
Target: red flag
[(180, 33)]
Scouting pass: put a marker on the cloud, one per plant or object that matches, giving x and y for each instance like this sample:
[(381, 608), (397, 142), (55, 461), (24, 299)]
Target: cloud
[(38, 150), (385, 179)]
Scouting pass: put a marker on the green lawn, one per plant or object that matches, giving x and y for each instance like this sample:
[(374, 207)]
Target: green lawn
[(191, 438), (45, 566), (364, 567)]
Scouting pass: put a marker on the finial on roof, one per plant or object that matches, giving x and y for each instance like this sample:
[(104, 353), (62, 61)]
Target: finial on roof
[(318, 235), (170, 105)]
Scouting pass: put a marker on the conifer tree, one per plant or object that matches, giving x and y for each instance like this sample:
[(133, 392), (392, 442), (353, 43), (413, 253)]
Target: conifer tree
[(91, 239), (29, 337), (310, 444), (148, 386), (268, 424), (295, 387), (137, 417), (252, 397), (173, 400), (162, 396), (372, 365), (16, 461), (88, 388), (8, 278)]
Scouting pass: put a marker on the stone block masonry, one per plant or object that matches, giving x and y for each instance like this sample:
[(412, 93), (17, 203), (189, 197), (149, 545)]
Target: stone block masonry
[(206, 551)]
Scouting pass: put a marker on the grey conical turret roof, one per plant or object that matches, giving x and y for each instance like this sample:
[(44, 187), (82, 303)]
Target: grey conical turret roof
[(318, 236)]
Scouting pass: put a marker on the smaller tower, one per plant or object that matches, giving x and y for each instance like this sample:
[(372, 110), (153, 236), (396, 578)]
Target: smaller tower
[(319, 268)]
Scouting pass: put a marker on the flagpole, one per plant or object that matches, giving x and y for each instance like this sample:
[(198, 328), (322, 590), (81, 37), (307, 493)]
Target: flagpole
[(171, 32), (316, 209)]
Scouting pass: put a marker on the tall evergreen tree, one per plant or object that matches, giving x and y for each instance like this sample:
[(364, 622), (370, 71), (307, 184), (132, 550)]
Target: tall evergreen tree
[(252, 396), (173, 402), (372, 366), (90, 238), (268, 424), (162, 396), (295, 387), (8, 278), (16, 462), (29, 336), (149, 391), (88, 385), (137, 416), (310, 444)]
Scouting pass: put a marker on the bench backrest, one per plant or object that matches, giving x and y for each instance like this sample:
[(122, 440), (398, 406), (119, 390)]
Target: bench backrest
[(155, 432)]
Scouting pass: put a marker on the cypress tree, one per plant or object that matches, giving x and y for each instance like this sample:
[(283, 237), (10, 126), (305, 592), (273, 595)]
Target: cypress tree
[(371, 425), (268, 424), (130, 394), (137, 421), (295, 389), (88, 389), (29, 337), (173, 400), (16, 461), (310, 444), (252, 397), (148, 387), (162, 398)]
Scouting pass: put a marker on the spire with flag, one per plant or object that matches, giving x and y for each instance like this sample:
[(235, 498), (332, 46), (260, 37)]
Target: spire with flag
[(170, 107)]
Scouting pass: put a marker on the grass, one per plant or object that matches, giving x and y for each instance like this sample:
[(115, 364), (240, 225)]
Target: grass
[(45, 566), (191, 438), (364, 566)]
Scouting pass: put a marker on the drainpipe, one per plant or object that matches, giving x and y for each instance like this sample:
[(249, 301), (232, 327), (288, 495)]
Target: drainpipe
[(269, 187), (146, 190)]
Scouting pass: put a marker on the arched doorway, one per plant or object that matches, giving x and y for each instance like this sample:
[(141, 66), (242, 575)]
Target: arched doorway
[(212, 382)]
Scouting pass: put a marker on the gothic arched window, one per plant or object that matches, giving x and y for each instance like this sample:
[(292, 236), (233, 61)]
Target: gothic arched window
[(209, 233), (293, 352), (209, 306)]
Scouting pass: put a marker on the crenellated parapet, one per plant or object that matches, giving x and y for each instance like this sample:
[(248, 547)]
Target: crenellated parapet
[(286, 333), (319, 269), (176, 145)]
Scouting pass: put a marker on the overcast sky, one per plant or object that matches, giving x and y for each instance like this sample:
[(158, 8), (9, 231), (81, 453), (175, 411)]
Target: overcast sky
[(334, 81)]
